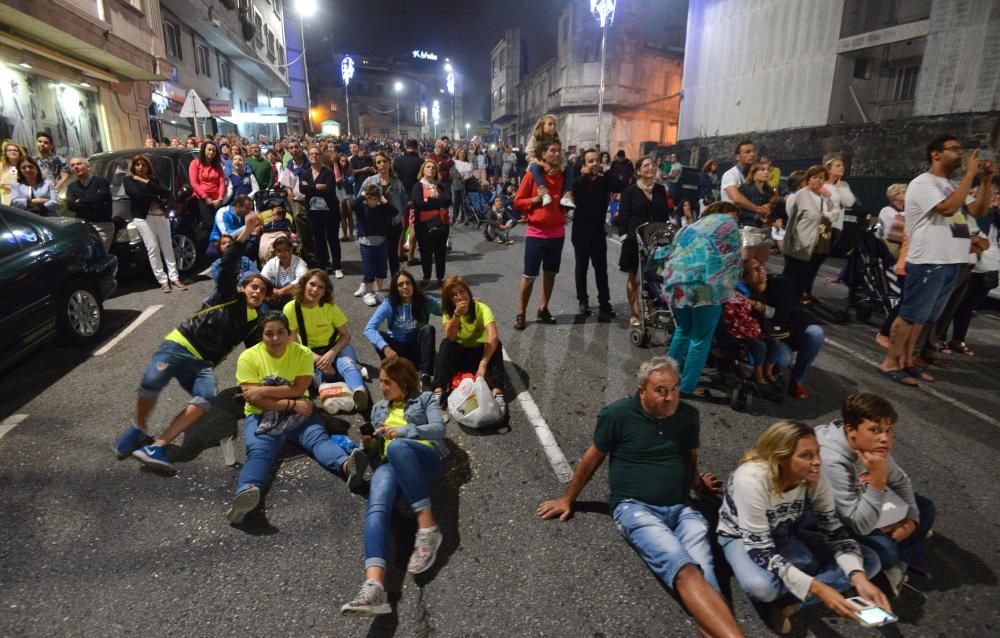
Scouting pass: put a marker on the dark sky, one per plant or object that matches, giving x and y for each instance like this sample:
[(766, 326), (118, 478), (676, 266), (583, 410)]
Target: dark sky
[(463, 30)]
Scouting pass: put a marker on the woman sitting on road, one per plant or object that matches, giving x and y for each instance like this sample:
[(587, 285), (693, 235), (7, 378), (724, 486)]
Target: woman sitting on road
[(409, 442), (32, 192), (409, 334), (274, 376), (776, 486), (471, 342), (147, 196), (320, 325), (283, 270)]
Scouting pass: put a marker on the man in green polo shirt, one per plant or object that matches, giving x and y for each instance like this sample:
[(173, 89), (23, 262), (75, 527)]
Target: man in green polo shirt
[(652, 438)]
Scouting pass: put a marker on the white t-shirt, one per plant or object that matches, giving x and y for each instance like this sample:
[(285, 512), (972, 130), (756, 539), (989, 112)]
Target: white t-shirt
[(281, 277), (885, 218), (732, 177), (934, 238), (990, 259)]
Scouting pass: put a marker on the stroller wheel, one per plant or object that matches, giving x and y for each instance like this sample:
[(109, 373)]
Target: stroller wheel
[(639, 337), (740, 398), (863, 313)]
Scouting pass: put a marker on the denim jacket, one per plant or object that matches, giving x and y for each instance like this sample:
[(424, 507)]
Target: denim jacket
[(423, 420)]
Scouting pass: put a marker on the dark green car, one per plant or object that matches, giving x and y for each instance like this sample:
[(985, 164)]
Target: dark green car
[(54, 278)]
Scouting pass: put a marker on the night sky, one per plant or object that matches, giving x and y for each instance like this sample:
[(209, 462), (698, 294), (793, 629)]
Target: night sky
[(463, 30)]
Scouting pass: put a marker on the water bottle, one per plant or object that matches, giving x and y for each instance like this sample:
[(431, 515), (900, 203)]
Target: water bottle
[(228, 446)]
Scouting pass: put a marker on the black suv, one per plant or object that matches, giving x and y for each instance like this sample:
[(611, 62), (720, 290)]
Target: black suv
[(190, 232), (54, 278)]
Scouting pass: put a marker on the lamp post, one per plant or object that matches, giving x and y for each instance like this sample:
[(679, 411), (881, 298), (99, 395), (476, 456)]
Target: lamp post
[(347, 72), (435, 115), (423, 120), (398, 86), (466, 131), (450, 83), (305, 9), (604, 11)]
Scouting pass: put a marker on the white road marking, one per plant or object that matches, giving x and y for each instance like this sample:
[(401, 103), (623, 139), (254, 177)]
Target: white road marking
[(924, 386), (146, 314), (550, 446), (10, 423)]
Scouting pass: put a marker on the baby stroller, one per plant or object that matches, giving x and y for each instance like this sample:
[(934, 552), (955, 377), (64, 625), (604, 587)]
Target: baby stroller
[(655, 242), (871, 279), (473, 204), (276, 220), (734, 366)]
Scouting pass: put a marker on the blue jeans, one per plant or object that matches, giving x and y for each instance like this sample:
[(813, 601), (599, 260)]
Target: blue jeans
[(569, 173), (174, 361), (809, 347), (409, 466), (806, 550), (911, 549), (311, 436), (692, 340), (347, 367), (374, 262), (494, 231), (667, 538)]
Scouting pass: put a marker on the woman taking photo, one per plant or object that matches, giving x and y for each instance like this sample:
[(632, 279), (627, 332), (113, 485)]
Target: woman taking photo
[(208, 181), (431, 201), (775, 560), (755, 229), (274, 376), (708, 186), (32, 192), (319, 186), (345, 188), (808, 237), (12, 154), (374, 221), (409, 333), (642, 202), (147, 197), (320, 324), (395, 195), (408, 441)]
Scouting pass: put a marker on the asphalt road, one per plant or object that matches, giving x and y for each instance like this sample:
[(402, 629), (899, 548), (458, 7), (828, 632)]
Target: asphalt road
[(96, 547)]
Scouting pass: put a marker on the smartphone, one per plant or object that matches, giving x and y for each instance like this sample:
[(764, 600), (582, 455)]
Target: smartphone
[(869, 614), (984, 155)]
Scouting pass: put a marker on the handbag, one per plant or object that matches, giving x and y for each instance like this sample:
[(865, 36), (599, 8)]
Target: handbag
[(305, 338)]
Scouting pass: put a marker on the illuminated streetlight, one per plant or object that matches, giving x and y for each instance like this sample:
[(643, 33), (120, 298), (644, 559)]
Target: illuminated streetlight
[(347, 72), (435, 114), (398, 86), (306, 8), (604, 12), (467, 126)]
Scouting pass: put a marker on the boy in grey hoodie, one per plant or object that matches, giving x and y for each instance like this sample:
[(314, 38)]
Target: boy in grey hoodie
[(873, 495)]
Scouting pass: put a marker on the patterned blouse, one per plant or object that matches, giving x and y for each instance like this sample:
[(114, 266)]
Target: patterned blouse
[(705, 264)]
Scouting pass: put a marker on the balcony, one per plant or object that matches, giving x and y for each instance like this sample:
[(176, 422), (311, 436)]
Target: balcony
[(221, 28)]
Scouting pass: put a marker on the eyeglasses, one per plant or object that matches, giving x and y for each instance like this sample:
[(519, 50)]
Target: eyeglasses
[(954, 149)]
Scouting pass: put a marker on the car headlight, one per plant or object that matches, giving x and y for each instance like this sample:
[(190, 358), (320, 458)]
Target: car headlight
[(128, 234)]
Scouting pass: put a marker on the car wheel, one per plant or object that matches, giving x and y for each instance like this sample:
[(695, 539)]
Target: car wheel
[(80, 314), (185, 252)]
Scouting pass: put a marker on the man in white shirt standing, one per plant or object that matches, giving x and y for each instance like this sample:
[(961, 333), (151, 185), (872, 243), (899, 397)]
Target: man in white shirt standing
[(937, 248)]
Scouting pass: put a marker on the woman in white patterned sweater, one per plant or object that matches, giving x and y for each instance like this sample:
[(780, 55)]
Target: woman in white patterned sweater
[(778, 487)]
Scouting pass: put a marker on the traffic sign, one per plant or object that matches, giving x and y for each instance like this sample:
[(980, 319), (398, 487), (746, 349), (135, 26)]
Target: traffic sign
[(194, 107)]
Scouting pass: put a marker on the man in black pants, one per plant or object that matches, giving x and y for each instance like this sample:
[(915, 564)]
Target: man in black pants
[(591, 194)]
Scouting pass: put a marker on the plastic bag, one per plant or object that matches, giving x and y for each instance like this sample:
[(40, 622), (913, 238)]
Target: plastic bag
[(472, 405), (336, 397)]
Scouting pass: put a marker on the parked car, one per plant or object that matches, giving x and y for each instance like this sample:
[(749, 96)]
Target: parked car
[(190, 232), (54, 278)]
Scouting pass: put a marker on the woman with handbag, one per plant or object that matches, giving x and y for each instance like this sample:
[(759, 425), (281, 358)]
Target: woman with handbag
[(809, 234), (755, 229), (408, 441), (147, 197), (321, 325), (431, 200), (318, 185)]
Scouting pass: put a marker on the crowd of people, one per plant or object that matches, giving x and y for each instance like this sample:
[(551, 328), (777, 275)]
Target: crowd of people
[(809, 512)]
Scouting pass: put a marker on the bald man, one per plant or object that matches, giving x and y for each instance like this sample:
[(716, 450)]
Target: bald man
[(89, 198)]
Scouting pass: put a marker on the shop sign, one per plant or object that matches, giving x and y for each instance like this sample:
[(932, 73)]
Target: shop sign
[(219, 108), (424, 55)]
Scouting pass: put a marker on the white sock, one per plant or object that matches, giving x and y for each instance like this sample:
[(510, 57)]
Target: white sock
[(428, 530)]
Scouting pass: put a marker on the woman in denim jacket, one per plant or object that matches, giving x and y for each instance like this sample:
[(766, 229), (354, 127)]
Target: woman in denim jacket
[(409, 442)]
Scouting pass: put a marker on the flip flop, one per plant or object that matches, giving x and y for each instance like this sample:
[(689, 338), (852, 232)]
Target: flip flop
[(919, 374), (899, 376)]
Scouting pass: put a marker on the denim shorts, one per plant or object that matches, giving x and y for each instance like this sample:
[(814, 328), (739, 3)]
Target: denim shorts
[(173, 361), (544, 254), (374, 262), (927, 290)]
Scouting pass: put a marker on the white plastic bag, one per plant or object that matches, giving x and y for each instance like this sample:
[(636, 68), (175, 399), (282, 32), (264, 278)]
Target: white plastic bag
[(472, 404), (336, 397)]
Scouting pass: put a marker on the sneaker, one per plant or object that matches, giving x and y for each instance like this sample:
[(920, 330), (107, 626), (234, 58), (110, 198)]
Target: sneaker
[(567, 201), (425, 548), (370, 601), (165, 287), (154, 456), (605, 314), (369, 299), (355, 467), (426, 384), (362, 289), (546, 199), (519, 322), (544, 316), (778, 332), (245, 502), (502, 402), (510, 242), (798, 391), (498, 241), (361, 400), (131, 440), (338, 274), (585, 310)]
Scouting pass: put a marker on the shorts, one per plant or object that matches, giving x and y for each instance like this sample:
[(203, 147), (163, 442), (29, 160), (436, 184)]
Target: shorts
[(927, 290), (753, 237), (173, 361), (544, 254), (374, 261)]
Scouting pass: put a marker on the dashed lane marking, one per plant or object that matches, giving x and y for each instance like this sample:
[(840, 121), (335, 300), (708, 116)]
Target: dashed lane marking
[(924, 387), (146, 314), (10, 423), (550, 446)]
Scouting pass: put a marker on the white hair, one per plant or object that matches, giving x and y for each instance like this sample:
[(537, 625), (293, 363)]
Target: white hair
[(655, 364)]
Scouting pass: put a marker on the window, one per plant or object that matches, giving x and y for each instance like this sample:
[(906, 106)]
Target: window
[(172, 39), (277, 8), (201, 60), (225, 78), (503, 93), (899, 84), (270, 42), (379, 89), (281, 55), (862, 68), (494, 73), (258, 39)]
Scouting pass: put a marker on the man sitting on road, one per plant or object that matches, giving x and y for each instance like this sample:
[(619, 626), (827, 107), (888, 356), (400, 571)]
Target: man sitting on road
[(873, 495), (652, 438)]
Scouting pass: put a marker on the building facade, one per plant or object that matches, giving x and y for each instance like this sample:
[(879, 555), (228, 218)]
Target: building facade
[(80, 71), (642, 79), (233, 54)]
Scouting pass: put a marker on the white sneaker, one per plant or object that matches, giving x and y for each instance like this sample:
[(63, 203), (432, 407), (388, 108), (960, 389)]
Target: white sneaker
[(370, 299), (370, 601), (546, 199), (567, 201), (361, 290), (338, 274)]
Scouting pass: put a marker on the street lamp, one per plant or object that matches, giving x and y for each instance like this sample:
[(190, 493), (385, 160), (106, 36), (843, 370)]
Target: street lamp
[(435, 114), (347, 72), (466, 130), (450, 83), (398, 86), (305, 9), (423, 120), (604, 11)]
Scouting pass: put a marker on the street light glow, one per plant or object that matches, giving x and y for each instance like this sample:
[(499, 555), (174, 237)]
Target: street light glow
[(451, 84), (306, 8), (347, 69), (448, 67), (398, 86), (604, 11)]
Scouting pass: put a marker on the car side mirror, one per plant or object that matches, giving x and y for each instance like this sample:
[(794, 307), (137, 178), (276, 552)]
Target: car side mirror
[(184, 192)]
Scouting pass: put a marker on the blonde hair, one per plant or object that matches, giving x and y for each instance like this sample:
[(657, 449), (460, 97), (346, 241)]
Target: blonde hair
[(894, 190), (538, 133), (774, 446)]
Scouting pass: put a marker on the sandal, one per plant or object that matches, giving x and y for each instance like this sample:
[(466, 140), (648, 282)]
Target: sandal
[(519, 322), (699, 393), (961, 348), (918, 373), (900, 377), (634, 322), (942, 347)]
